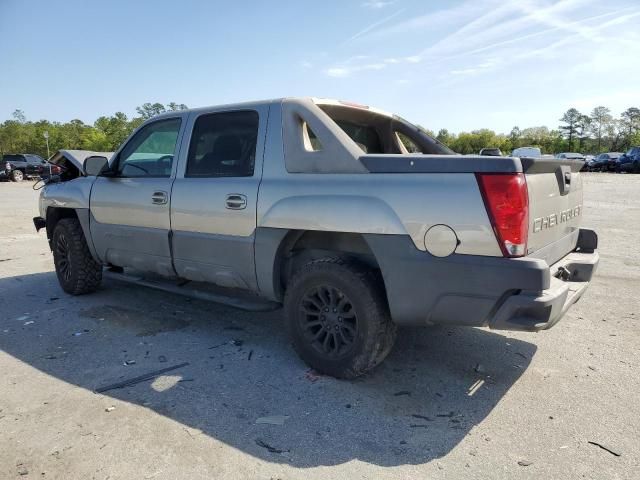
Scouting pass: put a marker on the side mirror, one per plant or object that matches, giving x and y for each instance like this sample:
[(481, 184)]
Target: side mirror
[(94, 166)]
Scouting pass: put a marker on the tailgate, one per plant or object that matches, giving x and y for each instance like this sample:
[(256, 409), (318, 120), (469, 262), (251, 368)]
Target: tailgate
[(555, 206)]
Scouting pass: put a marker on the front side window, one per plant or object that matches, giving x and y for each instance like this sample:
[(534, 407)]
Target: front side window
[(223, 145), (150, 152)]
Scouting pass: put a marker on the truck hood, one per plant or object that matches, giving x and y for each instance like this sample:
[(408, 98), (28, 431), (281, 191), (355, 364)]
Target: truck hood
[(75, 157)]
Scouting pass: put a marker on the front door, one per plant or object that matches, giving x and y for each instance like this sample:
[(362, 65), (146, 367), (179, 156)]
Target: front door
[(130, 207), (213, 204)]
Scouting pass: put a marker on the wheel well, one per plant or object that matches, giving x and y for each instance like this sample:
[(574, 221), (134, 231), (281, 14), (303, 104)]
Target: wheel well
[(302, 246), (54, 215)]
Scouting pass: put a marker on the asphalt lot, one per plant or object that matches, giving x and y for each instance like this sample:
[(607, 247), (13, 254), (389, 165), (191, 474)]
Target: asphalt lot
[(447, 403)]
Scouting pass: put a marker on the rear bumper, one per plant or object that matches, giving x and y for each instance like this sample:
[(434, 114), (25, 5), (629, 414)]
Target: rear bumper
[(533, 311), (500, 293)]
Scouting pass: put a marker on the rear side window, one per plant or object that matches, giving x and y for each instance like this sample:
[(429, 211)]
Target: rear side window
[(223, 145), (13, 158), (365, 136), (409, 144)]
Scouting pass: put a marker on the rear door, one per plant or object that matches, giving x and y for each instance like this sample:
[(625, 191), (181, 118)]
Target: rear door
[(130, 220), (213, 203)]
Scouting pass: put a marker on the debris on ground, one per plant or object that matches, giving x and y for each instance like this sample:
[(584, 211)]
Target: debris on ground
[(22, 470), (22, 318), (129, 362), (422, 417), (250, 355), (447, 415), (29, 322), (273, 420), (272, 449), (237, 342), (524, 463), (418, 425), (312, 375), (479, 368), (110, 409), (141, 378), (609, 449), (162, 358), (402, 393)]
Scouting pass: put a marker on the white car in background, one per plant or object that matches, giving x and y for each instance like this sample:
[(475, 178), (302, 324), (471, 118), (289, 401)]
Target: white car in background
[(533, 152)]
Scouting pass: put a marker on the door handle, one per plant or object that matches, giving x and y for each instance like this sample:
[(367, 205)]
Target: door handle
[(236, 201), (159, 198)]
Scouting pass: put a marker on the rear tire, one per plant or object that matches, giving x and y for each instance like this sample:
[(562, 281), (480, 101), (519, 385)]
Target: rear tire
[(78, 273), (17, 176), (338, 318)]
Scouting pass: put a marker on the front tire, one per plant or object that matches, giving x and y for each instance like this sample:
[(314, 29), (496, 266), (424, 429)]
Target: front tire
[(338, 318), (78, 273), (17, 176)]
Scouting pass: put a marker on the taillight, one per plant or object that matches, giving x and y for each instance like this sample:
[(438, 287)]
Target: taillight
[(507, 202)]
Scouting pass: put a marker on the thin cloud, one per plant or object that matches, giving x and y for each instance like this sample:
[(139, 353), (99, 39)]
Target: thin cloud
[(374, 25), (439, 18), (503, 32), (377, 4), (346, 71)]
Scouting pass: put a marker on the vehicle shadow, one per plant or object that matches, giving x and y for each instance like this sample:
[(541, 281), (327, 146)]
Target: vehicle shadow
[(437, 384)]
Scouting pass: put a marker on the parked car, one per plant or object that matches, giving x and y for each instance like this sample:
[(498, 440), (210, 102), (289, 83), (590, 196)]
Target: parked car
[(574, 156), (492, 152), (283, 199), (571, 156), (533, 152), (629, 161), (605, 162), (17, 167)]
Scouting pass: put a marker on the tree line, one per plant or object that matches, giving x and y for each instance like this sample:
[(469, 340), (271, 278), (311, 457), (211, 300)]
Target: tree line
[(577, 132), (19, 135), (591, 133)]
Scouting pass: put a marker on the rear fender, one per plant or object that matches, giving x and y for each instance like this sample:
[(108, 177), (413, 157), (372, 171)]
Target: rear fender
[(336, 213)]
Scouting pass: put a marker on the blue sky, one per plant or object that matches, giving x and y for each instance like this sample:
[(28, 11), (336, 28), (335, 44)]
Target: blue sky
[(460, 65)]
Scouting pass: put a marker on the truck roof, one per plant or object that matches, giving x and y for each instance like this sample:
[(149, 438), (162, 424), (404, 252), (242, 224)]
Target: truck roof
[(256, 103)]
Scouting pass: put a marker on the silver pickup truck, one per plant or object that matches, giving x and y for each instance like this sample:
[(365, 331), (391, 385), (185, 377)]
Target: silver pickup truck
[(352, 218)]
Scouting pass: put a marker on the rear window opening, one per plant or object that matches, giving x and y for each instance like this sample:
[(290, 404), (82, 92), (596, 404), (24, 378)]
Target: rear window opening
[(382, 134)]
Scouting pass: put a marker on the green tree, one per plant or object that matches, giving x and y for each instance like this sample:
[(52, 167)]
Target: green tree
[(18, 116), (571, 117), (582, 130), (600, 120), (148, 110), (444, 136)]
